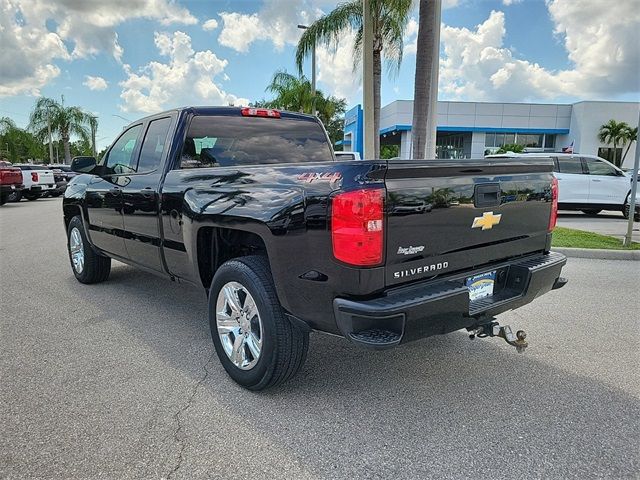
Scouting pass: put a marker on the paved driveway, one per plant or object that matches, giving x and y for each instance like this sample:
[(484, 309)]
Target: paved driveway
[(605, 223), (118, 381)]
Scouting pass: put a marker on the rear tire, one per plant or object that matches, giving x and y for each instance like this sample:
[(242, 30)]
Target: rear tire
[(87, 265), (14, 197), (3, 200), (282, 345), (592, 211), (32, 196)]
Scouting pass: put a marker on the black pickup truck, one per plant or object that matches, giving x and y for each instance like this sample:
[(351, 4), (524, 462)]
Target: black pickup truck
[(252, 205)]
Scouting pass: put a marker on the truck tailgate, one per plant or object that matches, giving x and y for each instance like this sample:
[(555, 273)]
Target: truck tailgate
[(446, 216)]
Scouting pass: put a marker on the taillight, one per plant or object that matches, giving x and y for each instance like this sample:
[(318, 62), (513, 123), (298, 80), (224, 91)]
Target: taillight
[(357, 223), (553, 219), (260, 112), (34, 176)]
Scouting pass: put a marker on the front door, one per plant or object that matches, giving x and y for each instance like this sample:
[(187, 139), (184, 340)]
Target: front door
[(104, 199), (140, 197), (607, 185)]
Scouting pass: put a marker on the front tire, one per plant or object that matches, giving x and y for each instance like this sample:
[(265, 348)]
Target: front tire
[(625, 211), (256, 343), (87, 265)]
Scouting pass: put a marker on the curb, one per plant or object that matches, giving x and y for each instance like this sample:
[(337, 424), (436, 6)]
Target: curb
[(599, 254)]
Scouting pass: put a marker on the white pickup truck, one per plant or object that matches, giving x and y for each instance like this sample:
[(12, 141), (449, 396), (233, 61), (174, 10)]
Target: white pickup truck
[(38, 181)]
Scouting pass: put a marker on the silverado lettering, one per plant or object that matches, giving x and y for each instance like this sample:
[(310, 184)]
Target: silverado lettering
[(251, 205), (423, 269)]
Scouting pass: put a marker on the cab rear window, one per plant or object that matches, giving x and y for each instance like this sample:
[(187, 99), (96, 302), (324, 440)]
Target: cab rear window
[(223, 141)]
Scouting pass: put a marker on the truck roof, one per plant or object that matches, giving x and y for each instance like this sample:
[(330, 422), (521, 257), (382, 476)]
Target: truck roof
[(222, 111)]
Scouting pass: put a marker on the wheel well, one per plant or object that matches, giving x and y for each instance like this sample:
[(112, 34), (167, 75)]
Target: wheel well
[(217, 245), (70, 211)]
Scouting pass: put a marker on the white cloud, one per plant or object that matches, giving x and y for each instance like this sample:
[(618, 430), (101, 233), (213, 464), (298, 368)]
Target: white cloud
[(335, 69), (210, 24), (603, 45), (34, 34), (95, 83), (508, 3), (186, 79), (276, 22), (27, 53)]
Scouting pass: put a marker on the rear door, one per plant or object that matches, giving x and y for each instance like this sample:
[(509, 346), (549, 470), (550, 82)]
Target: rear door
[(140, 197), (104, 201), (447, 216), (607, 184), (573, 182)]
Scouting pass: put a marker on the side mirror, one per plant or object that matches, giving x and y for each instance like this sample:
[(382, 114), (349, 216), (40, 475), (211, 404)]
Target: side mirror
[(83, 164)]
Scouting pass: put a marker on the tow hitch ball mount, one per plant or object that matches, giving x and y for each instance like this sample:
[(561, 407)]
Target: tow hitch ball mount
[(494, 329)]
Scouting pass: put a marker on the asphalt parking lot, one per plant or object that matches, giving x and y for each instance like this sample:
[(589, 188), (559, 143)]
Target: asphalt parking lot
[(118, 381), (606, 223)]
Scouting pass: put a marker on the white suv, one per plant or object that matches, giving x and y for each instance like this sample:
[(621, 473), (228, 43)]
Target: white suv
[(588, 183)]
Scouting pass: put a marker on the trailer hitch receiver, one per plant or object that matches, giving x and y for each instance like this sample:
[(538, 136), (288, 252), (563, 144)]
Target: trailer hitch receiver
[(494, 329)]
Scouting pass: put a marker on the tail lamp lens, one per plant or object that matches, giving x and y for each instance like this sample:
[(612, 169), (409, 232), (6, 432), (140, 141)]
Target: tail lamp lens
[(34, 176), (553, 219), (357, 227)]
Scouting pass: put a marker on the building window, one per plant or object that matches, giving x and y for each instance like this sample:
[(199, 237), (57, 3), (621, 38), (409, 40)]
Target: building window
[(549, 141), (497, 140), (528, 140)]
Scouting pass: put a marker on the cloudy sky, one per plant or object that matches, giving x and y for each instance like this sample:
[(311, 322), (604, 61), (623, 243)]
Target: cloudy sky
[(126, 58)]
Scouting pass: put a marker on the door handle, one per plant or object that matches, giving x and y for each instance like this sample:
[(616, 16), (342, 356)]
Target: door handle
[(115, 191), (147, 192), (595, 180)]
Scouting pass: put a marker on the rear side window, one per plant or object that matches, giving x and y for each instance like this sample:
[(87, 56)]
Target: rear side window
[(153, 145), (223, 141), (598, 167), (570, 165)]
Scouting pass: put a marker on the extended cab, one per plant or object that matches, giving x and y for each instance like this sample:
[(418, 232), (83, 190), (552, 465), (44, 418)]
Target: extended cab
[(252, 205)]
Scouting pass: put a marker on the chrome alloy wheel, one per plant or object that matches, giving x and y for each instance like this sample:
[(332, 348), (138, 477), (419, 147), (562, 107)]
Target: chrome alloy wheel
[(76, 248), (239, 325)]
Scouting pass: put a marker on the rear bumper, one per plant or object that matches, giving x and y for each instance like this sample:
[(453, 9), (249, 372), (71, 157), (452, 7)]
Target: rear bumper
[(11, 188), (432, 308)]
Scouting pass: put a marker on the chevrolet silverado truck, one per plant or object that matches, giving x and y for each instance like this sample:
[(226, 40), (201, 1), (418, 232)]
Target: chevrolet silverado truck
[(252, 205)]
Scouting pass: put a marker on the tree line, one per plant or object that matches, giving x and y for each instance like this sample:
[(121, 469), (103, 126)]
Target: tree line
[(48, 135)]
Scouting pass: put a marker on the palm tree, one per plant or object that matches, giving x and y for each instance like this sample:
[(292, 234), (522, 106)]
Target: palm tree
[(422, 85), (614, 133), (296, 94), (291, 92), (631, 135), (65, 121), (93, 125), (390, 18)]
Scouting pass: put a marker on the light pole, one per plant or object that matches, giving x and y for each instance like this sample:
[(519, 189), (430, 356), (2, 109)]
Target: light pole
[(313, 74), (367, 81), (632, 196), (120, 116)]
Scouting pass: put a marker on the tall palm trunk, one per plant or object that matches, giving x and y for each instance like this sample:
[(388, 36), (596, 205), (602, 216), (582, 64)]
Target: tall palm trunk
[(422, 84), (67, 147), (377, 85)]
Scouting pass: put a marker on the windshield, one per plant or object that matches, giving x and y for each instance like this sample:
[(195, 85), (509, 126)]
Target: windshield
[(220, 141)]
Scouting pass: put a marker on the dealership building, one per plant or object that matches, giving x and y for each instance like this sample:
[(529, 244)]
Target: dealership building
[(475, 129)]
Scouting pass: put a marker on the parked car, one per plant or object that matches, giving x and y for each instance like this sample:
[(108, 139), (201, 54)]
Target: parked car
[(10, 183), (251, 204), (60, 178), (347, 156), (66, 171), (588, 183), (38, 181)]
